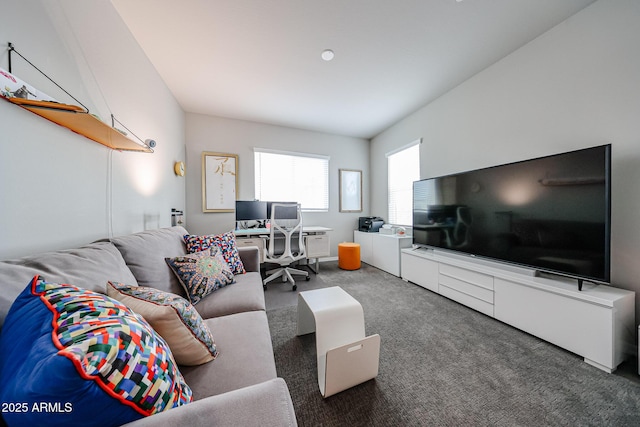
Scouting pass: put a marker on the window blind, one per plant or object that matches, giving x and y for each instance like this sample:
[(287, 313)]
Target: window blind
[(403, 167), (292, 177)]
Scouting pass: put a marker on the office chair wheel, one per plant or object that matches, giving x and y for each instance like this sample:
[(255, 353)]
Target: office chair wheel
[(294, 287), (264, 287), (307, 278)]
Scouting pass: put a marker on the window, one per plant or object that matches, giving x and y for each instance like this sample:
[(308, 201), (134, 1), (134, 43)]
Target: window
[(403, 167), (292, 177)]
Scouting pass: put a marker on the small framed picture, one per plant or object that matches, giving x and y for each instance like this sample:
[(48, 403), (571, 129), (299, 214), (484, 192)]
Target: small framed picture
[(350, 190)]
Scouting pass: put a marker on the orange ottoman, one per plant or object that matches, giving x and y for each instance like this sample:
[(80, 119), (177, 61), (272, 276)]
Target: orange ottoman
[(349, 256)]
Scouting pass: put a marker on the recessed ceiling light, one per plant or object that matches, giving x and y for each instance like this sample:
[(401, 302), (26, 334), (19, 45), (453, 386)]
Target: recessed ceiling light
[(327, 54)]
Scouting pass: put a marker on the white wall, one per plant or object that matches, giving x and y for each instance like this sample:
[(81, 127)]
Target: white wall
[(206, 133), (578, 85), (59, 189)]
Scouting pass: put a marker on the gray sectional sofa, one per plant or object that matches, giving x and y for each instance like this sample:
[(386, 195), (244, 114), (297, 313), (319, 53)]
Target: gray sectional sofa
[(239, 387)]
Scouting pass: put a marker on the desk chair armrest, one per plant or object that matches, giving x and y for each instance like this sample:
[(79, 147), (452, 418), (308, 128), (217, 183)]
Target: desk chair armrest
[(250, 256)]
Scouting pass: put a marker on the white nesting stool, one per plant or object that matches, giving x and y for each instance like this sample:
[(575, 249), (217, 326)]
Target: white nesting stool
[(345, 356)]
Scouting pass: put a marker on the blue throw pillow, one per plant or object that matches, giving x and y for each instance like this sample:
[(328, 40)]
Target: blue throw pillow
[(75, 357)]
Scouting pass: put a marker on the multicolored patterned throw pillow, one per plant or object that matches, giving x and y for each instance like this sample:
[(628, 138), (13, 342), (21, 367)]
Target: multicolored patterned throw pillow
[(75, 357), (173, 317), (201, 273), (227, 244)]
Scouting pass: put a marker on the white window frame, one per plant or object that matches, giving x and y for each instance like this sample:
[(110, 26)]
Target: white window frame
[(293, 185), (401, 192)]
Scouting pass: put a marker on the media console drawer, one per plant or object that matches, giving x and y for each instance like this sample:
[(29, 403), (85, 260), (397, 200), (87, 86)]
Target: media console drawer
[(466, 299), (467, 287), (464, 275)]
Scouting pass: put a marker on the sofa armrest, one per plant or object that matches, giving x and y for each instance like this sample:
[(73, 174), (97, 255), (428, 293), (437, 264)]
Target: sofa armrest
[(264, 404), (250, 256)]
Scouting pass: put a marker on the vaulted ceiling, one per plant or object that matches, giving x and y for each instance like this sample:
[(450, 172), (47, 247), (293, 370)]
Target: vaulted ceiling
[(260, 60)]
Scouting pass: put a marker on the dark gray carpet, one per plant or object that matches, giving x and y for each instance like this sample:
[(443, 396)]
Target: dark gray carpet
[(443, 364)]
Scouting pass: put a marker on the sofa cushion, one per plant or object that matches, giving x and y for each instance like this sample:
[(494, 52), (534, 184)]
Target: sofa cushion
[(145, 252), (269, 401), (88, 267), (171, 316), (201, 273), (87, 355), (225, 241), (247, 294), (246, 355)]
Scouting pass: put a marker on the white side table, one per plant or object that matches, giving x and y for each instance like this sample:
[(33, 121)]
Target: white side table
[(345, 357)]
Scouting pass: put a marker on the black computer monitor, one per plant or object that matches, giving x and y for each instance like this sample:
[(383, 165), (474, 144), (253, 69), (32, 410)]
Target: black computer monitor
[(248, 210), (284, 213)]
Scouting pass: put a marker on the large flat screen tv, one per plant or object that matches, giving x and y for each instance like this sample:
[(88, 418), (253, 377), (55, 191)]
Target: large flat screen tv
[(550, 214)]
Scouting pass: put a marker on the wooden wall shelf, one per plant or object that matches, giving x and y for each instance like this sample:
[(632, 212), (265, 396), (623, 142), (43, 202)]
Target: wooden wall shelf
[(80, 121)]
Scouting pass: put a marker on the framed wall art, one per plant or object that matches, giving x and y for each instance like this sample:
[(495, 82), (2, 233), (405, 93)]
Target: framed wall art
[(219, 182), (350, 190)]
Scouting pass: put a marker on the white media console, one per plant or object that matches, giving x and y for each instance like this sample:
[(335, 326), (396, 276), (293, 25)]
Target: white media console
[(596, 323)]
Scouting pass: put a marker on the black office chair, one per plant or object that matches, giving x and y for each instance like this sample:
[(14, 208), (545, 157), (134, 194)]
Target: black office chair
[(286, 244)]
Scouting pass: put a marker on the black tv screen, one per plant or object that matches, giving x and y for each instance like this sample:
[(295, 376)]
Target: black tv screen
[(551, 214)]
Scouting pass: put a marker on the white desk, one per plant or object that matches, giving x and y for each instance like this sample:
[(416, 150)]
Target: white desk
[(345, 358), (318, 244), (308, 229)]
